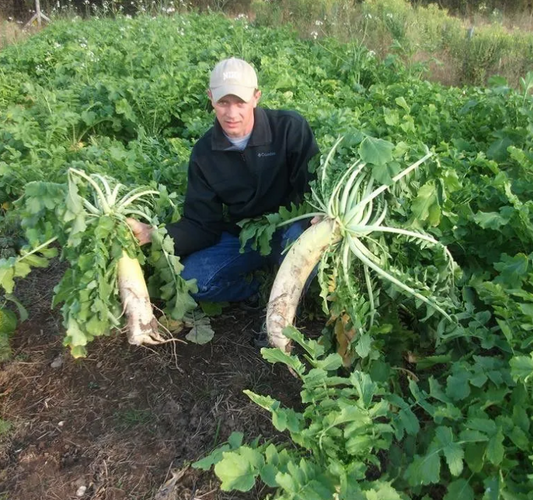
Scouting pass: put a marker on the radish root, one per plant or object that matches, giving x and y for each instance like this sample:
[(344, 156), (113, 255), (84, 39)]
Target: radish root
[(290, 280)]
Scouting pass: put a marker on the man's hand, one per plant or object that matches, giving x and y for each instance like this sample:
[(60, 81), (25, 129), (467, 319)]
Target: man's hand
[(316, 219), (142, 231)]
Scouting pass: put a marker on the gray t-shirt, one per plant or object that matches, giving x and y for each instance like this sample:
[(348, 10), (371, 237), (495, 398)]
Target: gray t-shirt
[(239, 143)]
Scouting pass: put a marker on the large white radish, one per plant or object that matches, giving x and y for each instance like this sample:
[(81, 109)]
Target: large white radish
[(142, 326), (290, 280)]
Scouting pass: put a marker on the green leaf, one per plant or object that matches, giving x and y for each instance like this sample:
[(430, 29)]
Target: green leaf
[(201, 331), (490, 220), (287, 418), (265, 402), (234, 442), (424, 470), (495, 448), (521, 368), (519, 438), (474, 458), (409, 421), (268, 475), (238, 469), (8, 321), (75, 210), (453, 453), (527, 310), (492, 488), (457, 386), (275, 355), (282, 418), (304, 481), (235, 439), (425, 206), (392, 118), (213, 458), (430, 361), (498, 149), (376, 151), (385, 173), (7, 274), (521, 417), (75, 336), (331, 362), (122, 107), (400, 101), (23, 312), (365, 387), (363, 346), (459, 490), (212, 308), (527, 82), (482, 425), (382, 491), (513, 270)]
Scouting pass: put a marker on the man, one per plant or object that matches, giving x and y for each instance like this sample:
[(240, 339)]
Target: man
[(251, 162)]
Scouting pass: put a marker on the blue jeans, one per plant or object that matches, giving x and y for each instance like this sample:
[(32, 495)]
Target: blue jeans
[(223, 274)]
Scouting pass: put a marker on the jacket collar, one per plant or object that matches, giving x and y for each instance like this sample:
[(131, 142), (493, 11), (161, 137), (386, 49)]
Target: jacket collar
[(261, 133)]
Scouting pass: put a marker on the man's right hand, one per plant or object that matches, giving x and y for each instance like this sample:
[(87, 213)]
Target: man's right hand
[(142, 231)]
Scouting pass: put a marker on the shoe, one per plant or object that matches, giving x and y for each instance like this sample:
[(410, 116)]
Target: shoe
[(250, 304), (259, 334)]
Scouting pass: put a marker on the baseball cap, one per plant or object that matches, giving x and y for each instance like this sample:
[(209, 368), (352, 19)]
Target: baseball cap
[(233, 76)]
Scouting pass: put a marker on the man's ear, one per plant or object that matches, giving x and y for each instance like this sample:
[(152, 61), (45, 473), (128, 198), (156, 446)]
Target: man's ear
[(210, 95), (257, 96)]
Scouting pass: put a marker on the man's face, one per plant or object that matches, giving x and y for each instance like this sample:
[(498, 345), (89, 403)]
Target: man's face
[(235, 116)]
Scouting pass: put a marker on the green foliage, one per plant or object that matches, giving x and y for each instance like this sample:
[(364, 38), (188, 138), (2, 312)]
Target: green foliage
[(258, 232), (8, 324), (431, 430), (86, 216), (338, 435)]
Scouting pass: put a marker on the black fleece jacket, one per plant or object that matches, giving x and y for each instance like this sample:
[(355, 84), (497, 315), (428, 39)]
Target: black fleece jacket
[(227, 186)]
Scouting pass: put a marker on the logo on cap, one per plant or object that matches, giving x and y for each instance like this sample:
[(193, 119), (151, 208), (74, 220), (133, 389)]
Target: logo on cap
[(231, 75)]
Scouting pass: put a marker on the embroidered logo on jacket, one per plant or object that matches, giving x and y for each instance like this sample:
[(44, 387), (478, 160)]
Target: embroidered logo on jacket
[(270, 153)]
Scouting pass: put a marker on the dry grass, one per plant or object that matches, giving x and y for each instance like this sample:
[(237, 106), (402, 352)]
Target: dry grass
[(11, 32), (513, 20)]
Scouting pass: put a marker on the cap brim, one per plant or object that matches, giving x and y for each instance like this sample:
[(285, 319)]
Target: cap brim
[(244, 93)]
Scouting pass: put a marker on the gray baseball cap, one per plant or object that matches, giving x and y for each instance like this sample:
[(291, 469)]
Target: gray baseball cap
[(233, 76)]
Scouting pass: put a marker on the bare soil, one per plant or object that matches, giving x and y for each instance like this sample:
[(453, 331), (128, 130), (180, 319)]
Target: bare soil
[(125, 420)]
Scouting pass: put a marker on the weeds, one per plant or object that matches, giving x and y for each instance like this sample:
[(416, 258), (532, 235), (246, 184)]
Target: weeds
[(472, 49), (10, 32), (5, 427), (128, 419)]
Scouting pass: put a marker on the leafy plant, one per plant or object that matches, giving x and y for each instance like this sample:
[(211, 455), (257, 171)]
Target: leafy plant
[(360, 435), (87, 217), (344, 427)]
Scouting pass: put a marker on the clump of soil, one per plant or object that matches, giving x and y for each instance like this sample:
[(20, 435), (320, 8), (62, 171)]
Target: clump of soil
[(125, 420)]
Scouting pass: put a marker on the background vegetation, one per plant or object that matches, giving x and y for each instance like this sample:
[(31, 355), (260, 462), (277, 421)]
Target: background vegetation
[(455, 43)]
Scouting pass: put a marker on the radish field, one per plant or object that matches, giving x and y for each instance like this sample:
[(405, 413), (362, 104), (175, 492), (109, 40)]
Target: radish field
[(417, 404)]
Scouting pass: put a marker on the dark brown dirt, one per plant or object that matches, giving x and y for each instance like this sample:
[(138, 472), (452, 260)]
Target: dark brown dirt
[(123, 421)]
